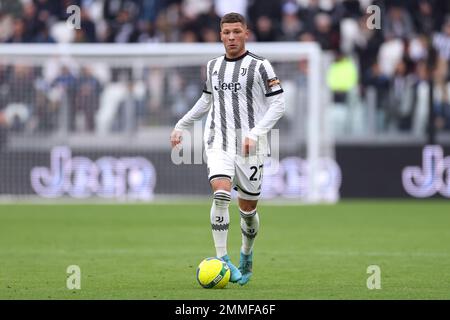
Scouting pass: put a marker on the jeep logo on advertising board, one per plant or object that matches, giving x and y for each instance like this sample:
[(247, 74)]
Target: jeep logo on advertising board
[(291, 179), (432, 178), (107, 177)]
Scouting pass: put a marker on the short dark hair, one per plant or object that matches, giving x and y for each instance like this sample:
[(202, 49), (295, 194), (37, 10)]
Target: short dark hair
[(233, 17)]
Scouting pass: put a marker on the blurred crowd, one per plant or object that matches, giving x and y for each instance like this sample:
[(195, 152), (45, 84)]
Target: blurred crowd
[(387, 67), (127, 21)]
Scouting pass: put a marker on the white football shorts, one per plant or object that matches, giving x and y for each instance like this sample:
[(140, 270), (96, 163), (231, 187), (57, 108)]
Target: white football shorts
[(245, 173)]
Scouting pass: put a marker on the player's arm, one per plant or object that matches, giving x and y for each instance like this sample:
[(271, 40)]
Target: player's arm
[(197, 112), (275, 100)]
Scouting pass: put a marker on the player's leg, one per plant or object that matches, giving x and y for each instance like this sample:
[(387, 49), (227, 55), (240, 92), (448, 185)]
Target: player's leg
[(249, 230), (249, 224), (220, 216), (220, 221), (248, 183), (221, 172)]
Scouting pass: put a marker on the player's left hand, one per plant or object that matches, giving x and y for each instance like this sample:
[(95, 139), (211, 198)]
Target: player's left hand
[(249, 146), (2, 119)]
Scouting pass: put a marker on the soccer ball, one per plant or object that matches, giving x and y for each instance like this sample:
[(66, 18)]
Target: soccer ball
[(213, 273)]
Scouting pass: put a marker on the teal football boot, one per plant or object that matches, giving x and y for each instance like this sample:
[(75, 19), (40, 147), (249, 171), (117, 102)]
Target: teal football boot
[(235, 273), (245, 266)]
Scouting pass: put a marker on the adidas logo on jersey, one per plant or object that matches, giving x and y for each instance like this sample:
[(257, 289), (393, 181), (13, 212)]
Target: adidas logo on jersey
[(233, 86)]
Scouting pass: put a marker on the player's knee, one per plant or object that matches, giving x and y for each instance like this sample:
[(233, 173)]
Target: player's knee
[(221, 184), (247, 205), (222, 198)]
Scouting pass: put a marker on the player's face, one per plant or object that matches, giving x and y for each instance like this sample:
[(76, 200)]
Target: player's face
[(233, 36)]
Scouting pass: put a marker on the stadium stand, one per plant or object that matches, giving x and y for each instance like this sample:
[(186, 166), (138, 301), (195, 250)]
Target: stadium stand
[(391, 85)]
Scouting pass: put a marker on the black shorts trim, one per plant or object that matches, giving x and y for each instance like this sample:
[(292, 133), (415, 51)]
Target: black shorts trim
[(246, 192), (206, 92), (219, 176), (274, 93)]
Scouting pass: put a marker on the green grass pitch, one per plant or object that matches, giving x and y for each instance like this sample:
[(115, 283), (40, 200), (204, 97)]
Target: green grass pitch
[(152, 251)]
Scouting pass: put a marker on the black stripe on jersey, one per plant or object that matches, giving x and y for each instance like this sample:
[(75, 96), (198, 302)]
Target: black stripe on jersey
[(213, 112), (223, 116), (236, 59), (235, 104), (249, 88), (235, 97), (205, 89), (265, 77), (274, 93), (255, 56)]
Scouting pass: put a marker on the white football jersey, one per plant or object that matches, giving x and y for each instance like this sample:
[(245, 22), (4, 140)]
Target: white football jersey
[(239, 89)]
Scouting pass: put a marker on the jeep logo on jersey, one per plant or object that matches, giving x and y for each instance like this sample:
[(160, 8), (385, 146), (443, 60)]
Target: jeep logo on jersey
[(233, 86)]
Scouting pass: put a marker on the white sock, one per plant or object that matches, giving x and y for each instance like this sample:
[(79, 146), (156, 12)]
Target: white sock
[(220, 221), (249, 229)]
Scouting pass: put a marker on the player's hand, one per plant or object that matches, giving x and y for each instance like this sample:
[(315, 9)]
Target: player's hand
[(2, 119), (249, 146), (175, 137)]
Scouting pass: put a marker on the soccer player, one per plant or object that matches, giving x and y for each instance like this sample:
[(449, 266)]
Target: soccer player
[(244, 99)]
